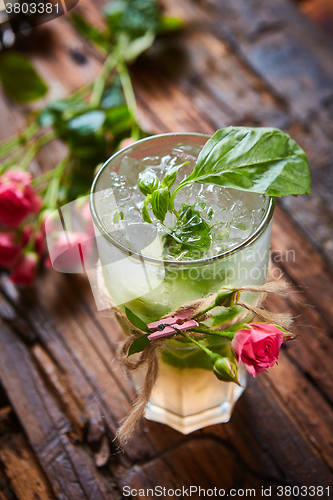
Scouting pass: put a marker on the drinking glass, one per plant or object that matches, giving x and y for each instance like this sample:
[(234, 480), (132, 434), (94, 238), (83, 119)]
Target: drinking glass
[(136, 276)]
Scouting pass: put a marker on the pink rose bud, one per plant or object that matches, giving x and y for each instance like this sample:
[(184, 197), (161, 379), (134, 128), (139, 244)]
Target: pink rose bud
[(25, 271), (17, 198), (226, 369), (258, 346), (10, 250)]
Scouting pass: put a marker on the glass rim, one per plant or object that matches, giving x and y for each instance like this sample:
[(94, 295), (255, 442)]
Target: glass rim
[(206, 260)]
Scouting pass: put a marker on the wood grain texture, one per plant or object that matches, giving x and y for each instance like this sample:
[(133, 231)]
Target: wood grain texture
[(243, 62), (25, 477)]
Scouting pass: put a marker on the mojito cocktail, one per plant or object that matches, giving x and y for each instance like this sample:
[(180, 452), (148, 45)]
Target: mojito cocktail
[(153, 269)]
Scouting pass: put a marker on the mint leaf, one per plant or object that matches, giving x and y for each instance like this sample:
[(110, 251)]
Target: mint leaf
[(61, 110), (135, 17), (148, 182), (19, 79), (118, 119), (87, 123), (89, 31), (171, 174), (260, 160), (145, 212), (138, 345), (191, 235), (113, 95), (160, 201), (131, 49), (135, 320)]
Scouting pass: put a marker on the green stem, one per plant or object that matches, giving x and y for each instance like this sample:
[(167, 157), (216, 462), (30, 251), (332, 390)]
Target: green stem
[(126, 83), (51, 195), (16, 154), (7, 146), (173, 196), (204, 311), (223, 333), (174, 211), (31, 153), (212, 355), (15, 157), (82, 91), (100, 82), (47, 175)]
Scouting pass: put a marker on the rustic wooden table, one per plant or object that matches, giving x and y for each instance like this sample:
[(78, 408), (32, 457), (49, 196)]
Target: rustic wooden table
[(62, 391)]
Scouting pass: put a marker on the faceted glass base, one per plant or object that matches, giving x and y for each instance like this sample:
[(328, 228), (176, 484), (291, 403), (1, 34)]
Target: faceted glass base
[(186, 424), (190, 398)]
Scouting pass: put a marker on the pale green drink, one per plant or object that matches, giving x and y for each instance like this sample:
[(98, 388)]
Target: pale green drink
[(142, 275)]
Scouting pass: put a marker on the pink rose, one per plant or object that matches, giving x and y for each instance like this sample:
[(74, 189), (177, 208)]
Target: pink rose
[(10, 250), (17, 198), (258, 346), (36, 238), (40, 243), (25, 271), (18, 176)]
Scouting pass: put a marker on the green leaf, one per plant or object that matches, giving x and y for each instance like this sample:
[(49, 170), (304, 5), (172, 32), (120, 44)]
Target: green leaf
[(138, 345), (145, 212), (20, 80), (87, 123), (260, 160), (131, 49), (191, 235), (135, 320), (160, 201), (171, 174), (134, 17), (89, 31), (113, 95), (60, 110), (148, 181), (225, 314), (168, 24), (118, 119)]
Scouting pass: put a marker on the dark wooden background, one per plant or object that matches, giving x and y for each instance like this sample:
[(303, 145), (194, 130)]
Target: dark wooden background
[(62, 393)]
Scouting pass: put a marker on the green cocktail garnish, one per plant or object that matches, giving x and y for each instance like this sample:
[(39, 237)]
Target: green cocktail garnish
[(259, 160)]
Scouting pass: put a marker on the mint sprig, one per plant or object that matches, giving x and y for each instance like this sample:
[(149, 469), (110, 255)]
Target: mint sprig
[(257, 159), (260, 160)]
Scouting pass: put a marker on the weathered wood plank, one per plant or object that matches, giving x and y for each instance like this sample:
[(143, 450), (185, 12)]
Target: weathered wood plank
[(232, 80), (320, 11), (75, 353), (303, 264), (237, 453), (314, 416), (312, 350), (27, 480), (274, 38), (82, 347), (170, 438), (68, 468)]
